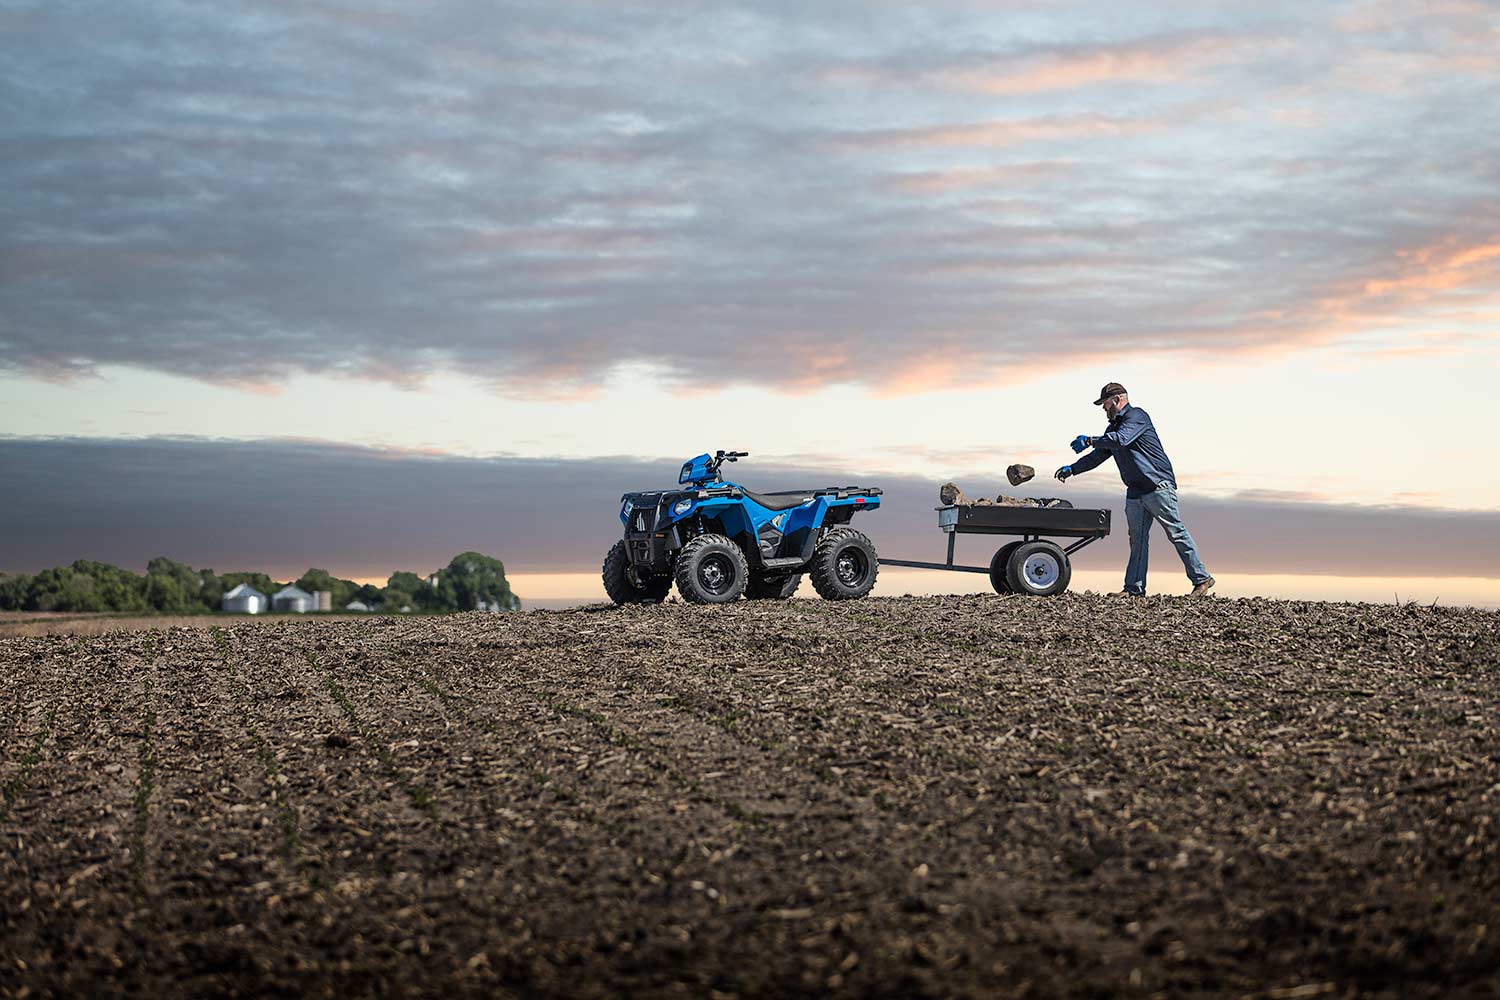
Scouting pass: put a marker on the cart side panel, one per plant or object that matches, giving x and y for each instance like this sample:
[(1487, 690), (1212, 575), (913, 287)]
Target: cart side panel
[(1067, 522)]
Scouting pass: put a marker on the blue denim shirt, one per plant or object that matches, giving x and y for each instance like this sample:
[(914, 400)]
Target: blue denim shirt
[(1131, 440)]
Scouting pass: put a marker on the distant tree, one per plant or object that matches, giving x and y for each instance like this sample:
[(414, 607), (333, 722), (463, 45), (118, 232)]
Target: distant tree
[(210, 590), (472, 578), (85, 586), (173, 588), (13, 591), (115, 589), (469, 580), (393, 600), (167, 595), (417, 591), (368, 593)]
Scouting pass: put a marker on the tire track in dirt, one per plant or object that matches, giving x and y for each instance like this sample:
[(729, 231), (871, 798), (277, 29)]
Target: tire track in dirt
[(214, 861), (30, 687), (804, 895), (368, 857), (288, 818), (602, 866), (695, 875), (66, 887)]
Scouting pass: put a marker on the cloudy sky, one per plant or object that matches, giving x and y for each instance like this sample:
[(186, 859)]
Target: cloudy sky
[(874, 239)]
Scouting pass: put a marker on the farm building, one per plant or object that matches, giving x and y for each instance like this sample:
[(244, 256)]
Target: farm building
[(356, 606), (293, 598), (245, 600)]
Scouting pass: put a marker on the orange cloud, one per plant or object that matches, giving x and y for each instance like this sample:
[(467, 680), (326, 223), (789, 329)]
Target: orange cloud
[(1440, 268), (1146, 63), (942, 181), (992, 134)]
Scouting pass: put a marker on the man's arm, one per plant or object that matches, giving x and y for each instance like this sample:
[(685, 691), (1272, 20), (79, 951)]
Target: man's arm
[(1092, 460), (1133, 423)]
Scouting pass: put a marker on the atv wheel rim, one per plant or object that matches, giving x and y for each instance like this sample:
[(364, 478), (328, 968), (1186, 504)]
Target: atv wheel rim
[(1041, 570), (851, 567), (716, 574)]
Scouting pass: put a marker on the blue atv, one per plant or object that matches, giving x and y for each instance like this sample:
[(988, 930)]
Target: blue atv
[(718, 541)]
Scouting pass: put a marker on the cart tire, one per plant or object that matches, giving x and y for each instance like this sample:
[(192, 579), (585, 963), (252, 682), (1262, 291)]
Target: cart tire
[(711, 570), (621, 586), (997, 568), (772, 588), (844, 565), (1040, 569)]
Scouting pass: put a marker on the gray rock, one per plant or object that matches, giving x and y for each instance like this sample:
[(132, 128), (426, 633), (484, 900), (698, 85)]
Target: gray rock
[(949, 493), (1018, 474)]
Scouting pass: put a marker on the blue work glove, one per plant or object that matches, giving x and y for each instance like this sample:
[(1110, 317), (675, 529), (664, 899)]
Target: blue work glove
[(1063, 473), (1081, 442)]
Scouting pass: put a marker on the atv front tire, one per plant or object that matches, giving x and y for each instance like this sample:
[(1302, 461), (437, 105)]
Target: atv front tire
[(711, 570), (772, 588), (620, 581), (844, 565)]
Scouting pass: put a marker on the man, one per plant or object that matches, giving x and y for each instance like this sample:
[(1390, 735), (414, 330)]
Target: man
[(1150, 486)]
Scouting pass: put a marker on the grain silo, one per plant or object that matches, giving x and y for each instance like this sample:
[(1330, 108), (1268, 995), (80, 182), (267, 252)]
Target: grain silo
[(293, 598), (244, 600)]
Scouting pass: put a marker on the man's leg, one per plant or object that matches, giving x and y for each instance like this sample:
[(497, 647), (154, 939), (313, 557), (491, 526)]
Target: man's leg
[(1138, 523), (1162, 506)]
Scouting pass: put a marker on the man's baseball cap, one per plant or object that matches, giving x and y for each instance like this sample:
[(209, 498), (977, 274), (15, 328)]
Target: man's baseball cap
[(1113, 389)]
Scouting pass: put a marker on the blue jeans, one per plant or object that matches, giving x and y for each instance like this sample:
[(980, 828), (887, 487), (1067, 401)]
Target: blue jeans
[(1139, 513)]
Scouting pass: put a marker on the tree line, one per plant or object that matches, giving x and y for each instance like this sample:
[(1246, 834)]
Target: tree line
[(174, 588)]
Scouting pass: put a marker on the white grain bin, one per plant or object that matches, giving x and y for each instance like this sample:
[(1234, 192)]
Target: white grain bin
[(293, 598), (245, 600), (323, 600)]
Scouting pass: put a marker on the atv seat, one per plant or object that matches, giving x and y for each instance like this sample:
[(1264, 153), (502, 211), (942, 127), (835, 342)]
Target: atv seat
[(781, 501)]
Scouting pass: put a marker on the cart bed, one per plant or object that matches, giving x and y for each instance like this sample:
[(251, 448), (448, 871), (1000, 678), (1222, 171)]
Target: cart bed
[(1066, 522)]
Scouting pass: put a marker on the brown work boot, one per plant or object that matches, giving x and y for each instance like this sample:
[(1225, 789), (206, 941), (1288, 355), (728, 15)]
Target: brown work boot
[(1203, 588), (1125, 593)]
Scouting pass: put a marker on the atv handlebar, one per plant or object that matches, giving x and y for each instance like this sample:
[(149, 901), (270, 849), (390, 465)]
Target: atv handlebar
[(721, 456)]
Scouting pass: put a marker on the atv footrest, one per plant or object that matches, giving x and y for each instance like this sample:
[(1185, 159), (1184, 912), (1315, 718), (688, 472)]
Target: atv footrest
[(785, 562)]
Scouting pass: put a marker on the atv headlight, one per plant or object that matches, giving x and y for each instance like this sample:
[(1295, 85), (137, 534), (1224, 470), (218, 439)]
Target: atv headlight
[(682, 507), (625, 508)]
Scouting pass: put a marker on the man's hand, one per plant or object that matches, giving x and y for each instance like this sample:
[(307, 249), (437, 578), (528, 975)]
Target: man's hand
[(1063, 473), (1081, 442)]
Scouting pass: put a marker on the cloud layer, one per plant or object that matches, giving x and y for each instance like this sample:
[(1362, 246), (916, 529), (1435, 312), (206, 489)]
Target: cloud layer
[(843, 192), (282, 506)]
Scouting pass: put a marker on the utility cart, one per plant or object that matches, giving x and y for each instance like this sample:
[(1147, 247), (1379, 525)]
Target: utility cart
[(1031, 564)]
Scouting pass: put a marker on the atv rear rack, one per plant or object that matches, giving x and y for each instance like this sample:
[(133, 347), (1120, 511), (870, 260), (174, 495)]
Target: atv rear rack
[(838, 492)]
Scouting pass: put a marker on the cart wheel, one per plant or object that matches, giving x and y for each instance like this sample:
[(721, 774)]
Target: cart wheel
[(997, 568), (1038, 568)]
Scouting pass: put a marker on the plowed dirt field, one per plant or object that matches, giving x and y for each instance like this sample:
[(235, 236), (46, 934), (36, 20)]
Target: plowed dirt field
[(976, 796)]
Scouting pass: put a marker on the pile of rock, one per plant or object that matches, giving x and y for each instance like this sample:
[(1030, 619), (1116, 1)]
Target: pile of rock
[(950, 494)]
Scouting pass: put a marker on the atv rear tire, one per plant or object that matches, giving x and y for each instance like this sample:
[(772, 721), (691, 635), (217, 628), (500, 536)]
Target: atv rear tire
[(620, 585), (997, 568), (711, 570), (1039, 569), (772, 588), (844, 565)]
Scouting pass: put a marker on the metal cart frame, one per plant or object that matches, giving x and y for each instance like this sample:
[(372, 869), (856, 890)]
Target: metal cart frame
[(1029, 524)]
